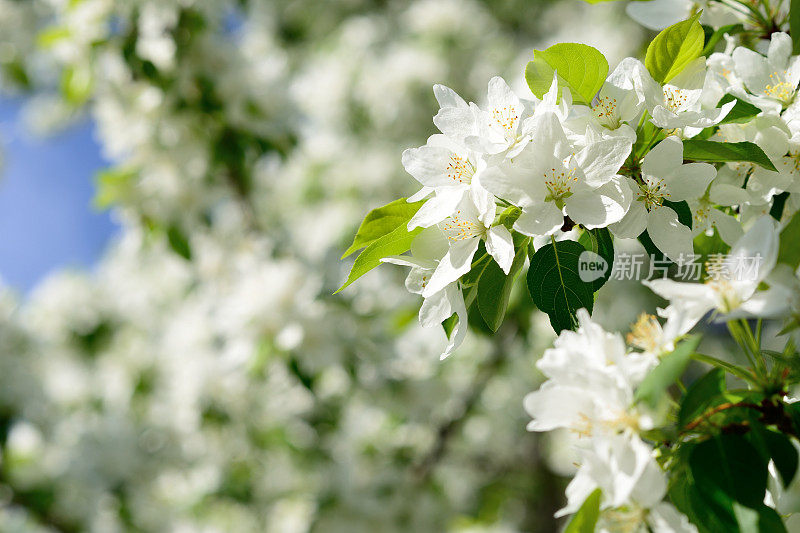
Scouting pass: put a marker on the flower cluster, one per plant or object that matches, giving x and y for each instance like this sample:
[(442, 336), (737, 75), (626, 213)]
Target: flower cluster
[(692, 152)]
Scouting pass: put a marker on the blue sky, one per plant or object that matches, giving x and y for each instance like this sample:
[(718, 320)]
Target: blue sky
[(47, 221)]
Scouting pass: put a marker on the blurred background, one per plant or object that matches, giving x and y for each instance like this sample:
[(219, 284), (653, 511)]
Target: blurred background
[(178, 181)]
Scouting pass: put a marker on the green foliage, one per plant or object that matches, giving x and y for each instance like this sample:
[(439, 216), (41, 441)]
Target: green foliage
[(179, 242), (113, 185), (383, 232), (775, 446), (717, 152), (395, 242), (674, 48), (789, 251), (730, 469), (580, 68), (76, 85), (699, 394), (381, 221), (599, 241), (653, 389), (716, 36), (555, 285), (494, 288), (794, 25), (741, 112), (585, 520)]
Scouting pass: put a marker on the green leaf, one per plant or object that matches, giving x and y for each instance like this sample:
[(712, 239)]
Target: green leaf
[(654, 386), (711, 42), (794, 25), (716, 152), (585, 520), (76, 84), (394, 243), (761, 519), (789, 249), (449, 324), (555, 284), (741, 112), (580, 67), (699, 394), (599, 241), (382, 221), (730, 464), (674, 48), (112, 186), (711, 512), (494, 288), (179, 242), (775, 446)]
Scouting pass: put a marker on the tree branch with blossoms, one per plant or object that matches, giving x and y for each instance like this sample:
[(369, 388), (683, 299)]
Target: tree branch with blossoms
[(694, 152)]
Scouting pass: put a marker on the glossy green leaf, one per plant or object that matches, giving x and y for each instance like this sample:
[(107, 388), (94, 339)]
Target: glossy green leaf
[(381, 221), (585, 520), (730, 464), (776, 447), (789, 248), (580, 67), (653, 388), (600, 241), (741, 112), (494, 288), (394, 243), (674, 48), (179, 242), (762, 519), (700, 394), (555, 284), (719, 152)]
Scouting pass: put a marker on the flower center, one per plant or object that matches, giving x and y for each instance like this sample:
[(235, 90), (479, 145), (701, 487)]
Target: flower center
[(652, 192), (645, 333), (605, 111), (624, 519), (506, 117), (559, 183), (459, 169), (675, 98), (792, 161), (459, 228), (702, 211), (779, 88)]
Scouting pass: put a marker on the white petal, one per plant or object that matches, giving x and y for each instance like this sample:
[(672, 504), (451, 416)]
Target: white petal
[(664, 158), (507, 182), (632, 224), (447, 97), (668, 234), (458, 334), (752, 68), (456, 262), (436, 209), (780, 49), (539, 219), (430, 245), (690, 181), (600, 161), (455, 122), (421, 194), (600, 207), (435, 309), (500, 245), (658, 14), (730, 230)]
